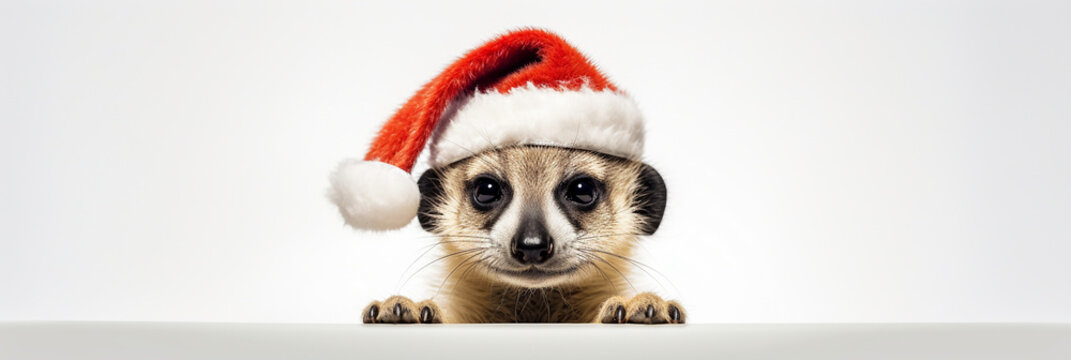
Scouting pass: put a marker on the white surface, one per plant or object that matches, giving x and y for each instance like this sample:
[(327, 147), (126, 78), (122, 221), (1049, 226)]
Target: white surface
[(836, 162), (119, 341)]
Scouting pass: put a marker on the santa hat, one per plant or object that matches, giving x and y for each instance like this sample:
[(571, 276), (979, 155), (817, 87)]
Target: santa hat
[(527, 87)]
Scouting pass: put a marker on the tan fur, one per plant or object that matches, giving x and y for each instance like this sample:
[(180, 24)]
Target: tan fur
[(473, 292)]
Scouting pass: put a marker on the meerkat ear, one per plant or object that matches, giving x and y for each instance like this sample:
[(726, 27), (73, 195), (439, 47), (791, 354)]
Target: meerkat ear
[(650, 199), (431, 189)]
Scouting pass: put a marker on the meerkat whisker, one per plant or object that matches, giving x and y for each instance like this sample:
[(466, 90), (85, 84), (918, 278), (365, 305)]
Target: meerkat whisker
[(603, 273), (460, 236), (464, 274), (447, 278), (643, 267), (623, 276), (600, 236), (527, 299), (426, 249), (439, 259)]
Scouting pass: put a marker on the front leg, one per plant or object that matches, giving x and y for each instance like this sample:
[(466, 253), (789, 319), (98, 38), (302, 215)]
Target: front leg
[(400, 310), (645, 308)]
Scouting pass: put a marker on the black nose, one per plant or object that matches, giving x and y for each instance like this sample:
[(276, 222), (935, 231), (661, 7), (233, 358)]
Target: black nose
[(532, 244), (533, 250)]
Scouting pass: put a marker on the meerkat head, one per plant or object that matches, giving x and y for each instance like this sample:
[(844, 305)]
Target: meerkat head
[(538, 216), (518, 211)]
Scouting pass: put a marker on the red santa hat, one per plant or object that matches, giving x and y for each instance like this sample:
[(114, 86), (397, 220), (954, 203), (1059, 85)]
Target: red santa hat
[(527, 87)]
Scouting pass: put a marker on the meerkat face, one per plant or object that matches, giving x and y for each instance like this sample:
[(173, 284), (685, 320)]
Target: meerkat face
[(537, 216)]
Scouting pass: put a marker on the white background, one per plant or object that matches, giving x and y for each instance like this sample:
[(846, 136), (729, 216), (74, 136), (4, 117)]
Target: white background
[(845, 162)]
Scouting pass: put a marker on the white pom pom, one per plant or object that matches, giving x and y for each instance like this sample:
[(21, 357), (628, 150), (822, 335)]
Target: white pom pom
[(373, 195)]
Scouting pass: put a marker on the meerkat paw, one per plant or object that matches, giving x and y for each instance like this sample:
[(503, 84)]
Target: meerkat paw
[(645, 308), (401, 310)]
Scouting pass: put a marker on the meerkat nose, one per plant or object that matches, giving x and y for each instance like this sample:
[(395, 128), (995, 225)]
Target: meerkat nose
[(532, 244), (533, 250)]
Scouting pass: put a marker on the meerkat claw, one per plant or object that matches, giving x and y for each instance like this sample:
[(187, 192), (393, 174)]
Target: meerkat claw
[(645, 308), (401, 310)]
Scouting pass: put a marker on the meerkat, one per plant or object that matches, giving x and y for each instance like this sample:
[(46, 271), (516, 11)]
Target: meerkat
[(537, 234), (536, 189)]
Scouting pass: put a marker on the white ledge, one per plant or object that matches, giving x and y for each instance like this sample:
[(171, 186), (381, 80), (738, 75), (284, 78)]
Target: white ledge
[(117, 340)]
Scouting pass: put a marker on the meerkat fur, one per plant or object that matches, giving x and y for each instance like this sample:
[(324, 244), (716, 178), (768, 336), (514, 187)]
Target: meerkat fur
[(574, 256)]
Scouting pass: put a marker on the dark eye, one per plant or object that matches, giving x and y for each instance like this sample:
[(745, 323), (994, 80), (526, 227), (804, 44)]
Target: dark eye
[(582, 191), (486, 192)]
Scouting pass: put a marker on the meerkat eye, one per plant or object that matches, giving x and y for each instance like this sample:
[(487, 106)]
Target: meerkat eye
[(486, 192), (582, 191)]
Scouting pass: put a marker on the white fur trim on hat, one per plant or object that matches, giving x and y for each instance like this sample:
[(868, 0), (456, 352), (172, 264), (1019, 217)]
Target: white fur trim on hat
[(605, 121), (373, 195)]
